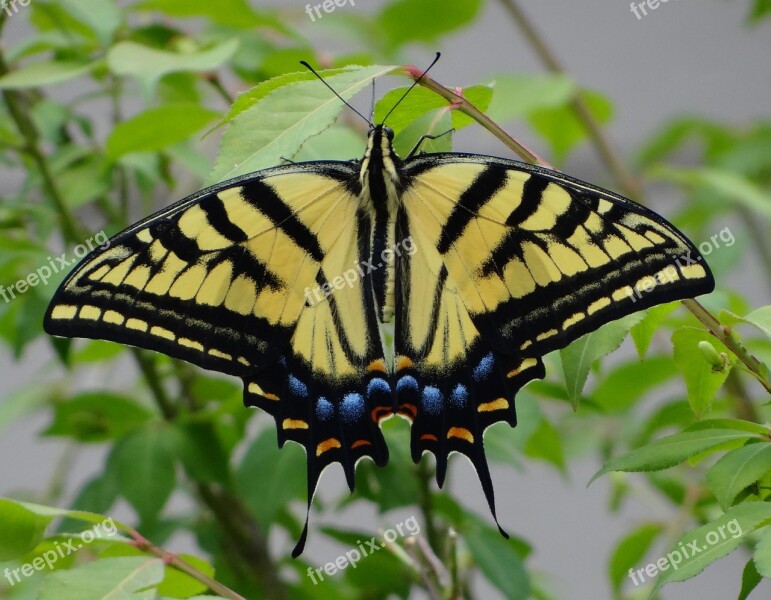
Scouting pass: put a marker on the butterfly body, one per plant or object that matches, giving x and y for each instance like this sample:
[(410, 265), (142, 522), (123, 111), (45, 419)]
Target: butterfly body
[(282, 278)]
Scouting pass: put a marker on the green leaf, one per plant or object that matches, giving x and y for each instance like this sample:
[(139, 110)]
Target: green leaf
[(124, 578), (181, 585), (437, 122), (405, 21), (735, 424), (235, 13), (80, 515), (268, 479), (149, 64), (627, 383), (421, 102), (102, 17), (44, 73), (701, 379), (86, 180), (642, 333), (268, 124), (714, 137), (630, 551), (144, 463), (578, 357), (23, 401), (97, 417), (157, 129), (674, 449), (502, 443), (97, 351), (22, 529), (517, 95), (750, 580), (738, 469), (201, 452), (760, 10), (714, 540), (760, 318), (762, 555), (562, 129), (546, 444), (733, 187), (96, 496), (336, 143), (499, 562)]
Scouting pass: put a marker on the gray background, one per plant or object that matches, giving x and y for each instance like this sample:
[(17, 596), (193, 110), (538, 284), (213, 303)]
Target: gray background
[(686, 57)]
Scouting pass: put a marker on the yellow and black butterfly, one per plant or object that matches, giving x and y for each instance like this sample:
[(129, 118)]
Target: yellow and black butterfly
[(282, 277)]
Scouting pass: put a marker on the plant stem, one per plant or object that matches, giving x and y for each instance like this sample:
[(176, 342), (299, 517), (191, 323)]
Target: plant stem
[(458, 102), (27, 129), (424, 501), (172, 559), (756, 368)]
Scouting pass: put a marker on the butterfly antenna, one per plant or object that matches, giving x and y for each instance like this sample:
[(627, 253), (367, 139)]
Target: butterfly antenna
[(312, 70), (414, 83)]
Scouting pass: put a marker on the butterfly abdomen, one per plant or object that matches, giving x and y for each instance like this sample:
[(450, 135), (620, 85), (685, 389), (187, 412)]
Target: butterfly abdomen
[(382, 182)]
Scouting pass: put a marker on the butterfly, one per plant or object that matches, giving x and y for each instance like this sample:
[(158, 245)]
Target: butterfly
[(283, 277)]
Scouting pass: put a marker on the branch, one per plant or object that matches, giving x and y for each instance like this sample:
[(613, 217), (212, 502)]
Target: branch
[(172, 559), (25, 125)]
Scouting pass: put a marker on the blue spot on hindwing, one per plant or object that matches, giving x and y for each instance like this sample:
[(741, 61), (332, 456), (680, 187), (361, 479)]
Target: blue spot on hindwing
[(484, 368), (378, 386), (298, 387), (406, 384), (459, 396), (325, 410), (432, 400), (352, 407)]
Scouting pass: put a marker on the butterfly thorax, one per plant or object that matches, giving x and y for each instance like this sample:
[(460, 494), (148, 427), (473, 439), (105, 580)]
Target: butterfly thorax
[(381, 183)]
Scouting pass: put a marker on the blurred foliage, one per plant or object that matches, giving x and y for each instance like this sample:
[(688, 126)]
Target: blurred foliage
[(145, 80)]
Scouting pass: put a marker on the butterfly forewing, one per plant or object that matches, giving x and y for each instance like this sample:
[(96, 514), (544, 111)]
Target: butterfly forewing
[(539, 258), (229, 279)]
